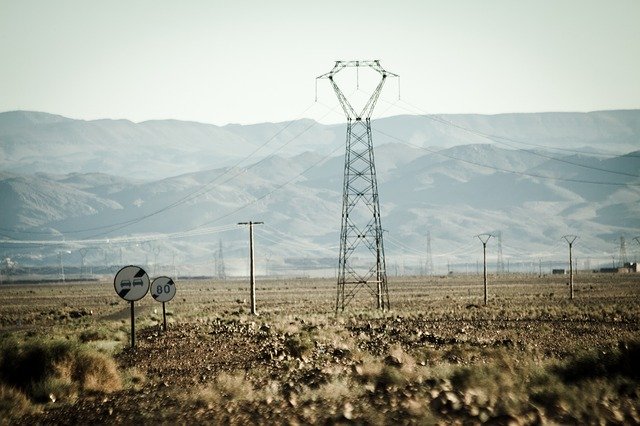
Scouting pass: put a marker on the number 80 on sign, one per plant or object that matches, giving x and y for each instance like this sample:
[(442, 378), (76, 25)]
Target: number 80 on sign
[(163, 289)]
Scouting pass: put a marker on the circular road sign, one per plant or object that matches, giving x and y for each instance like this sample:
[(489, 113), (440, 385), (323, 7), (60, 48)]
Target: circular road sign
[(163, 289), (131, 283)]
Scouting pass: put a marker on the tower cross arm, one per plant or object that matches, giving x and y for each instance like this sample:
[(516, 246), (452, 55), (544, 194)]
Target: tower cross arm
[(349, 111), (373, 64), (484, 237)]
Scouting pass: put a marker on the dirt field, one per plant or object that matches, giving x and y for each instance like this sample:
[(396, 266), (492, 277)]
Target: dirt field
[(531, 356)]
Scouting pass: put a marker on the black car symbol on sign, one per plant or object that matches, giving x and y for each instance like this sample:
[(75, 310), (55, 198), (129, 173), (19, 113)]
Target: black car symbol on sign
[(126, 283), (137, 281)]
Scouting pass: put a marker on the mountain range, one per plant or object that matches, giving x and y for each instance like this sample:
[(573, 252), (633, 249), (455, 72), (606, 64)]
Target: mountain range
[(170, 192)]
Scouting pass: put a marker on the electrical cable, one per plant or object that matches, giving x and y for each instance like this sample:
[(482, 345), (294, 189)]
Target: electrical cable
[(506, 170), (442, 120), (200, 190)]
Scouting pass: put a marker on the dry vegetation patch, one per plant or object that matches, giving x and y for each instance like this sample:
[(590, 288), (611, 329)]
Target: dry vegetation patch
[(529, 357)]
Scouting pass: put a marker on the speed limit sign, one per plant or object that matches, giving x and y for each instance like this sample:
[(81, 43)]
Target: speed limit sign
[(163, 289)]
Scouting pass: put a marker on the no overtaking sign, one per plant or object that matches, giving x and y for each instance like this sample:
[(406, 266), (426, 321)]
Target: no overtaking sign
[(131, 283)]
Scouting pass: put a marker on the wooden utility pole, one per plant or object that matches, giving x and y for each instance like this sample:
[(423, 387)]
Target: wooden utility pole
[(484, 238), (252, 268), (570, 239)]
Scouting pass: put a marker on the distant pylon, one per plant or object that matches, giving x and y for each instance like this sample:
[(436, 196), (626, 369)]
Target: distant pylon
[(221, 272), (623, 252), (429, 266), (500, 261), (361, 262)]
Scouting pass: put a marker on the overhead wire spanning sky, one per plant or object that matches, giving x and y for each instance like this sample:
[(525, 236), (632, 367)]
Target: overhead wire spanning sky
[(249, 61)]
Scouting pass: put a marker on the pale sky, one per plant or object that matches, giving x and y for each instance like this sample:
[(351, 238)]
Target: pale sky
[(255, 61)]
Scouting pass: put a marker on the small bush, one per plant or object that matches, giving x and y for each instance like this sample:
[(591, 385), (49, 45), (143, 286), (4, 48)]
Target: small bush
[(227, 387), (299, 344), (390, 377), (13, 403), (93, 335), (47, 370), (622, 362)]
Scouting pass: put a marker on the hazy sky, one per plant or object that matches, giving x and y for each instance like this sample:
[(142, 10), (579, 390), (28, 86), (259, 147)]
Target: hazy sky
[(255, 61)]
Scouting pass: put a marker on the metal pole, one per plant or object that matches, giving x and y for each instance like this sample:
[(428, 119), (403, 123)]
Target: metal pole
[(484, 238), (164, 317), (484, 256), (570, 271), (253, 271), (133, 327)]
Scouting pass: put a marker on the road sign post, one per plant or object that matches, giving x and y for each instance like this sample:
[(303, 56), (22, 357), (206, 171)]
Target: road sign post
[(163, 289), (131, 283), (133, 325)]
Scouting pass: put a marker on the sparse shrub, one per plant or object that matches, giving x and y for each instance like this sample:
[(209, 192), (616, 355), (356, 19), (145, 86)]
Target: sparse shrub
[(135, 377), (622, 362), (48, 370), (92, 335), (337, 389), (389, 377), (227, 387), (299, 344), (13, 403)]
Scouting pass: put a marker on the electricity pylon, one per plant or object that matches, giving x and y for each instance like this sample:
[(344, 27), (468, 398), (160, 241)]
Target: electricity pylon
[(623, 252), (221, 272), (429, 266), (361, 262)]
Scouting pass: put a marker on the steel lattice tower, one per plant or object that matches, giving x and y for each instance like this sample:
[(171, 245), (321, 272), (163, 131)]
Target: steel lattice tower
[(429, 267), (623, 252), (361, 262)]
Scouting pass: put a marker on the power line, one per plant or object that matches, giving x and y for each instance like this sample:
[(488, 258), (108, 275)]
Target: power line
[(267, 194), (202, 189), (505, 170), (442, 120), (120, 240)]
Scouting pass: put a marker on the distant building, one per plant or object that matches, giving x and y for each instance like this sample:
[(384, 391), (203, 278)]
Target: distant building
[(628, 268), (558, 272)]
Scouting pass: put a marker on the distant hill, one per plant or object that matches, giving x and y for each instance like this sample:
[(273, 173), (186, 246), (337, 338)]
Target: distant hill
[(533, 196), (32, 142)]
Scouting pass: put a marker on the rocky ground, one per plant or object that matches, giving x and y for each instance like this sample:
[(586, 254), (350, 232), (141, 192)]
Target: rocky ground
[(375, 376), (522, 360)]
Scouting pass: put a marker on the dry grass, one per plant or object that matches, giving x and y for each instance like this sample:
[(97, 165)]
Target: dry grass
[(13, 404), (56, 370), (438, 356)]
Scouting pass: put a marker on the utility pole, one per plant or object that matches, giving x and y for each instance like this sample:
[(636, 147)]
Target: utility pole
[(484, 238), (252, 267), (570, 239), (361, 231)]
